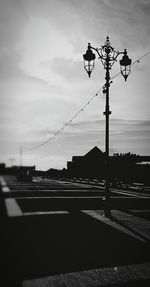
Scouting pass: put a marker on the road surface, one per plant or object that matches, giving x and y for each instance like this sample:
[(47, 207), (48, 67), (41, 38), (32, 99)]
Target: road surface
[(44, 235)]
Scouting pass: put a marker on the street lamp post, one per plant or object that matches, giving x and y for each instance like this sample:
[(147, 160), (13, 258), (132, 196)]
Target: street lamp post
[(108, 57), (12, 160)]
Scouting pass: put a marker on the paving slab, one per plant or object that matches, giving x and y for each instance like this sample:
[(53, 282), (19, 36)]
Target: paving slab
[(117, 275), (136, 224), (142, 270), (111, 276), (81, 279), (51, 281), (98, 215)]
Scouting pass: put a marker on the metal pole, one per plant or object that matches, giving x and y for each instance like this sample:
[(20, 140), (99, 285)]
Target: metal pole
[(20, 155), (11, 161), (107, 112)]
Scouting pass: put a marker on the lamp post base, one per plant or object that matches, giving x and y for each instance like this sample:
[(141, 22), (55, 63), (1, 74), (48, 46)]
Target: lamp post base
[(107, 207), (107, 211)]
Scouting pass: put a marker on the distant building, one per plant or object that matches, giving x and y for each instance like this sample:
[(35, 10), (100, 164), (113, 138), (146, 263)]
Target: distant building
[(122, 166), (27, 169), (90, 165), (19, 169), (2, 168), (25, 173), (56, 173)]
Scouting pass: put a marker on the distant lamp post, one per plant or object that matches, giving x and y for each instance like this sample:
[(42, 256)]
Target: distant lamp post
[(108, 57), (12, 160)]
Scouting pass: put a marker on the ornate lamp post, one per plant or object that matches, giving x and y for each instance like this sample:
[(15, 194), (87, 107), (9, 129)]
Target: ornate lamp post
[(108, 57)]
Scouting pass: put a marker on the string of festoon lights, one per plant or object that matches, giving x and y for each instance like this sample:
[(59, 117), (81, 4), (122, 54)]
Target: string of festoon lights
[(51, 138)]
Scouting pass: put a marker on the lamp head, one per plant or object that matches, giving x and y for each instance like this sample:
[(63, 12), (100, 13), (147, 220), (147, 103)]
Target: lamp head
[(125, 65), (89, 60)]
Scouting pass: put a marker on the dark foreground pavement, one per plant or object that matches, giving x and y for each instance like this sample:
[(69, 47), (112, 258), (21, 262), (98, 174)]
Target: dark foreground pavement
[(73, 248), (44, 245)]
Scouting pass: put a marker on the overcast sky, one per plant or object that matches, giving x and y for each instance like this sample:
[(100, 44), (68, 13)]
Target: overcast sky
[(43, 82)]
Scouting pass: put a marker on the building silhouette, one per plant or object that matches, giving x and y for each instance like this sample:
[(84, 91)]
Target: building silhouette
[(127, 167), (90, 165)]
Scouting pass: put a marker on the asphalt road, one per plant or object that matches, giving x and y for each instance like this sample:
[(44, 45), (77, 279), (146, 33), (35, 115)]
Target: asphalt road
[(37, 244), (47, 194)]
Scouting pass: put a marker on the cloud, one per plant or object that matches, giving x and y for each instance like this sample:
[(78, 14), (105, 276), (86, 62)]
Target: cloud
[(43, 82), (126, 22), (80, 137), (11, 71), (130, 125), (130, 136), (15, 84), (12, 19), (68, 69), (122, 128)]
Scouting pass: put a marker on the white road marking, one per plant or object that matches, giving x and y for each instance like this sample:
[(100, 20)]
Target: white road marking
[(45, 213), (14, 210), (12, 207), (5, 189), (3, 183), (129, 193)]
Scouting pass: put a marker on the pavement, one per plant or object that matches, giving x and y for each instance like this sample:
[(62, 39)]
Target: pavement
[(123, 276), (68, 247)]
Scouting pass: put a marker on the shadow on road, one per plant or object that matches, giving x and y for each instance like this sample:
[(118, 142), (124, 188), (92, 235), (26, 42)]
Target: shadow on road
[(41, 245)]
